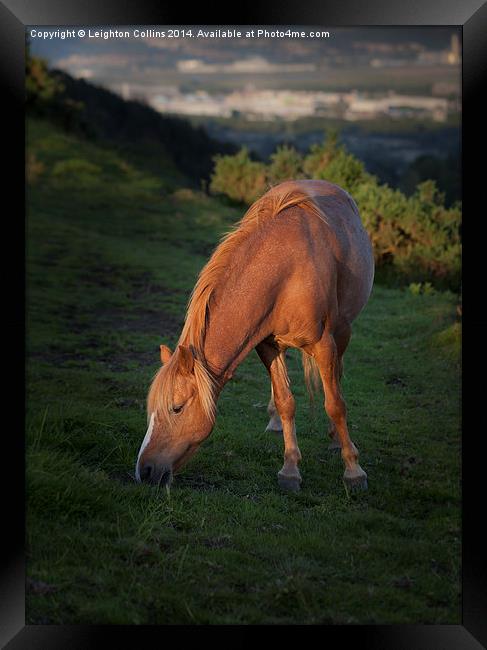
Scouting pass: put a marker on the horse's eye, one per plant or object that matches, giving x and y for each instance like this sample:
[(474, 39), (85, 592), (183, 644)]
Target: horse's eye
[(177, 409)]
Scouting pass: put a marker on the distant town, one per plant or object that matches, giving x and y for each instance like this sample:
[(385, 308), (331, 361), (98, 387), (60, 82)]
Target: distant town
[(252, 104), (249, 102)]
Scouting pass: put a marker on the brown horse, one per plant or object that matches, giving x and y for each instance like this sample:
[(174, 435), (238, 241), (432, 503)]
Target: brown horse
[(294, 272)]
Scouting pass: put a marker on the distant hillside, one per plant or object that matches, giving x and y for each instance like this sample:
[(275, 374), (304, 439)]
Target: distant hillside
[(80, 106)]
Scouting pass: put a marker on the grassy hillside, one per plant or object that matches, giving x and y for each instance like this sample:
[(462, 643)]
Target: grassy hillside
[(101, 115), (113, 252)]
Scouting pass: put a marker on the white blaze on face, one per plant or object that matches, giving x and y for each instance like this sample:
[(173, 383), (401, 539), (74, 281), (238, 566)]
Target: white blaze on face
[(145, 442)]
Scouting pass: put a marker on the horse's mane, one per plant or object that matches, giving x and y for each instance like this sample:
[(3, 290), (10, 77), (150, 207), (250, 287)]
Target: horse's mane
[(268, 206), (193, 333)]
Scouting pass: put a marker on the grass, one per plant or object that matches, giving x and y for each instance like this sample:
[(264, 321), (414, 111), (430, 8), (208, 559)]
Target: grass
[(113, 253)]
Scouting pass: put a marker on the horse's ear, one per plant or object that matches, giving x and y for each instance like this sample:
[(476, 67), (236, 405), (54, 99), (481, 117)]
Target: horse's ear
[(166, 354), (186, 360)]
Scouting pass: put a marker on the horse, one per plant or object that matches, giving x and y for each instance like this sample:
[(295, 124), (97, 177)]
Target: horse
[(294, 272)]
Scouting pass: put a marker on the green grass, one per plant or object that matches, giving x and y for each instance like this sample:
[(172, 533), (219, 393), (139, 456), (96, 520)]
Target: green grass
[(113, 253)]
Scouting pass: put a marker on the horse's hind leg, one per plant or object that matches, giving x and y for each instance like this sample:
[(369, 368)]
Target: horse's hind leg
[(288, 477), (275, 423), (326, 355), (342, 335)]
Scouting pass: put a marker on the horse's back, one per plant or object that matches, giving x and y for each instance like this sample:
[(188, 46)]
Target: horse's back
[(339, 248)]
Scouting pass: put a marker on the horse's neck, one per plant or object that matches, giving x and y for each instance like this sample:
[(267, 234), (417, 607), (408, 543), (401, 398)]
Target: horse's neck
[(238, 321)]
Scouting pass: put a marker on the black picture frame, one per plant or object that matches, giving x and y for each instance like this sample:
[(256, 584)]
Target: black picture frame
[(15, 15)]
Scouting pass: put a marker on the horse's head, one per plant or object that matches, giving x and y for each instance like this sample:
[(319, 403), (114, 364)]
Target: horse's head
[(180, 408)]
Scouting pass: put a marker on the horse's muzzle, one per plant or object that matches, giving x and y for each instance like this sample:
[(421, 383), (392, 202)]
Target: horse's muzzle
[(150, 473)]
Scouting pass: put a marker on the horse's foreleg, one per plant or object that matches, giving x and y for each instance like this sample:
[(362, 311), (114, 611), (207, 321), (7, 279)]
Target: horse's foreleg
[(275, 423), (289, 477), (327, 358)]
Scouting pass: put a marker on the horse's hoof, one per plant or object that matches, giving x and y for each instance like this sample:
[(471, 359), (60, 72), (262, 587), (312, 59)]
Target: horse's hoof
[(334, 445), (355, 481), (289, 483)]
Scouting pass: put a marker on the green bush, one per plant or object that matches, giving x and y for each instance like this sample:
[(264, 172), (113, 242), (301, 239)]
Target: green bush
[(239, 177), (286, 164), (415, 239), (330, 161), (41, 88)]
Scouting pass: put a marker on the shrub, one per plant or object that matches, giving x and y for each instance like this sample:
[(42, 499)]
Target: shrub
[(41, 88), (239, 177), (286, 164), (320, 155), (418, 236), (330, 161)]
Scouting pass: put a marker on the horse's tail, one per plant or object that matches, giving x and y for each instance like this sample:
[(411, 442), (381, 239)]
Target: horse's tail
[(311, 374)]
